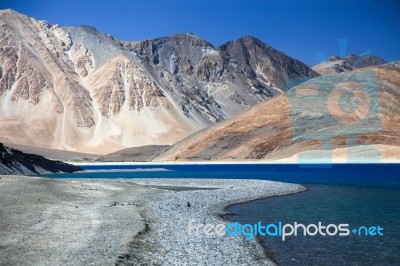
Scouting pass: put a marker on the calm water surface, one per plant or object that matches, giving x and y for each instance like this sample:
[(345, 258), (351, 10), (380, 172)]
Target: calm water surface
[(355, 205)]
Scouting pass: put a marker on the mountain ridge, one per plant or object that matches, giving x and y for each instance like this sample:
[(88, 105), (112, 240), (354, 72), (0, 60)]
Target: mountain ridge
[(336, 64), (76, 89)]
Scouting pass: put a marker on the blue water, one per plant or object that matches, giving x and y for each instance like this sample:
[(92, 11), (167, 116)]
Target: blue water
[(371, 174), (355, 205), (361, 194)]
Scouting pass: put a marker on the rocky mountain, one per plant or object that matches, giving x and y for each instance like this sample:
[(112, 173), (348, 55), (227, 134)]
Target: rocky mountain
[(348, 116), (74, 88), (263, 63), (14, 162), (336, 64), (242, 71)]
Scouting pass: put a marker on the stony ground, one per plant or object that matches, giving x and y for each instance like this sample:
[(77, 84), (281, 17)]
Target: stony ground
[(67, 222), (166, 240), (124, 221)]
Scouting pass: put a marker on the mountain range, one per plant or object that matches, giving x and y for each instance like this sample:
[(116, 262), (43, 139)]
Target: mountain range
[(74, 88), (336, 64), (79, 90)]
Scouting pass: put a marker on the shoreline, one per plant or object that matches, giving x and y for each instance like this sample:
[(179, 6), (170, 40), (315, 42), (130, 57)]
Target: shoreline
[(169, 216), (91, 163), (258, 238), (126, 221)]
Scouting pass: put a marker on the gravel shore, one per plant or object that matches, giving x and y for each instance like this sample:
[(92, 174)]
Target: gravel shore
[(68, 222), (166, 241), (124, 221)]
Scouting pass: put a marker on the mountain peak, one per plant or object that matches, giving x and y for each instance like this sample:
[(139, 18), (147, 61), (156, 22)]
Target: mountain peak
[(179, 37), (352, 55), (246, 40), (86, 27), (250, 38), (334, 58), (8, 11), (187, 35), (190, 36), (336, 64), (265, 62)]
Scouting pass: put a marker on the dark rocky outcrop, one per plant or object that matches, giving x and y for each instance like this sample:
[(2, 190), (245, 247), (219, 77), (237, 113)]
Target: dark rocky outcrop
[(15, 162)]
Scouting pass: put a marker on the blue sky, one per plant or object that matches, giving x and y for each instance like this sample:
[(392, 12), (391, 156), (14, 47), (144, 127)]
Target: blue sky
[(300, 29)]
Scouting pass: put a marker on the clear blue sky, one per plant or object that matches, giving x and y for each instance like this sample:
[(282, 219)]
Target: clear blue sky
[(301, 29)]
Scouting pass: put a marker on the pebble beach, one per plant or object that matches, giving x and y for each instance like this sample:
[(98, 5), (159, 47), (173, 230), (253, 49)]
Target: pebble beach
[(125, 221)]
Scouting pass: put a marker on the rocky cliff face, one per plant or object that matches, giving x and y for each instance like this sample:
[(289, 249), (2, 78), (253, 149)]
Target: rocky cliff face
[(352, 115), (336, 64), (262, 63), (14, 162), (74, 88), (220, 80)]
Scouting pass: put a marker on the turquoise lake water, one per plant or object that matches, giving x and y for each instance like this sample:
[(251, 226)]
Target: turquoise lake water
[(360, 195), (355, 205)]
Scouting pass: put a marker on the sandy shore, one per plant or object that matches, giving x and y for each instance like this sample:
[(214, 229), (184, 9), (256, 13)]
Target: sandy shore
[(124, 221)]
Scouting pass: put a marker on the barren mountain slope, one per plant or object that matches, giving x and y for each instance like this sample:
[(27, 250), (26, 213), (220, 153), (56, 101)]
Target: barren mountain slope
[(224, 79), (263, 63), (76, 89), (73, 88), (135, 154), (316, 115)]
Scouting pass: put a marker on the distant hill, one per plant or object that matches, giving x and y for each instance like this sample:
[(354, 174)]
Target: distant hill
[(336, 64), (135, 154), (14, 162)]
